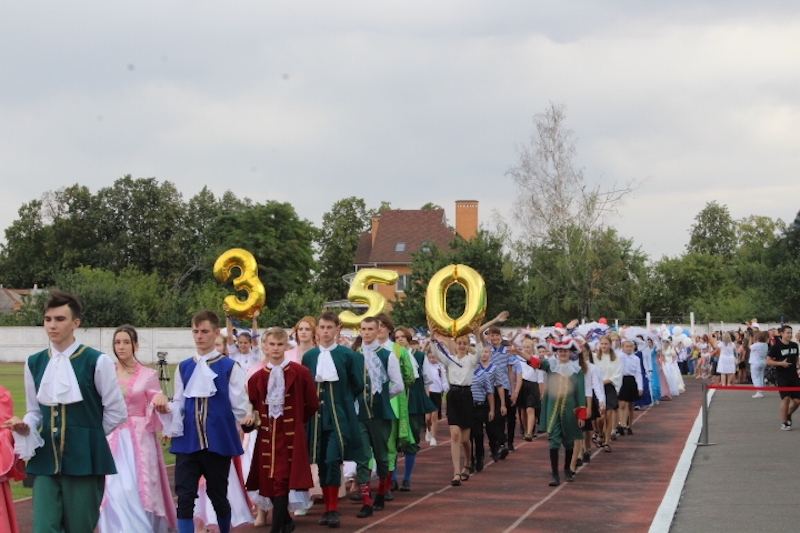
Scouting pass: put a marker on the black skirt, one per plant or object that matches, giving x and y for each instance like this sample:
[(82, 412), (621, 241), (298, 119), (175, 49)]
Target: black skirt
[(529, 396), (612, 402), (459, 406), (629, 392)]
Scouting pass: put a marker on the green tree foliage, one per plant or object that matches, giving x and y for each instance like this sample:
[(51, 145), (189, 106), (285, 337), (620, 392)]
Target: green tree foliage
[(337, 242), (293, 307), (713, 232), (25, 258)]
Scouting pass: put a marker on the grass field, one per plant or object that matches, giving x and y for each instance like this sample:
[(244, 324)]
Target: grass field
[(11, 377)]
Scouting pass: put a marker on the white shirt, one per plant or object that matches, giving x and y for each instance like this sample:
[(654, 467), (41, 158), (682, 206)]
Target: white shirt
[(237, 393), (396, 385), (459, 370), (105, 382), (438, 377), (593, 382)]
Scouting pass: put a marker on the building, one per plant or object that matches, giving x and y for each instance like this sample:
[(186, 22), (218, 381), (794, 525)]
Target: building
[(11, 300), (397, 233)]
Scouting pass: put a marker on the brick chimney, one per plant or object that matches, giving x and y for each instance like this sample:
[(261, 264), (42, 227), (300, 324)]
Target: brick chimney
[(376, 220), (466, 218)]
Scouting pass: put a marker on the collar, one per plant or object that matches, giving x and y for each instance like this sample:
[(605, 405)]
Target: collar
[(71, 349)]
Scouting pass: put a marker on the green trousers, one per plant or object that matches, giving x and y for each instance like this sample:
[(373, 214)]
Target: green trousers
[(67, 504), (375, 439)]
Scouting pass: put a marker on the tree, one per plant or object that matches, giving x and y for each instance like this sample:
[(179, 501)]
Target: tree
[(572, 261), (756, 234), (24, 258), (337, 243), (713, 231), (430, 206)]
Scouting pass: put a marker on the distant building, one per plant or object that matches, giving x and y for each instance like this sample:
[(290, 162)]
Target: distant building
[(397, 233), (11, 300)]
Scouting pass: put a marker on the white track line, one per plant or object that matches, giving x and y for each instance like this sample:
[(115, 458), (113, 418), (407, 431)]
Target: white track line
[(669, 504)]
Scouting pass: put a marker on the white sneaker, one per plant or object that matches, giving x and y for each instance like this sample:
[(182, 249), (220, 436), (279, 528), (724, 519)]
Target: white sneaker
[(786, 427), (433, 442), (759, 394), (427, 435)]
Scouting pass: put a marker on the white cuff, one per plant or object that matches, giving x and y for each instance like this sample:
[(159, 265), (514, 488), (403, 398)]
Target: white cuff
[(25, 445)]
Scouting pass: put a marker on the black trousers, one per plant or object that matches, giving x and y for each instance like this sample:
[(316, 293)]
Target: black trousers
[(511, 420), (188, 469), (480, 416), (496, 429)]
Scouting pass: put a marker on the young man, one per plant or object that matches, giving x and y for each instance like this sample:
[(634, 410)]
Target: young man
[(285, 398), (402, 437), (496, 429), (211, 397), (333, 433), (783, 355), (73, 401), (382, 381)]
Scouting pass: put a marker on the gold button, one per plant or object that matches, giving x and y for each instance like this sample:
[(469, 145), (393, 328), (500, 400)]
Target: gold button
[(55, 413), (55, 430)]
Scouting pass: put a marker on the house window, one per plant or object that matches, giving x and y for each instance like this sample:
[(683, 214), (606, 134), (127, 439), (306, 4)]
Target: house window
[(400, 247), (402, 282)]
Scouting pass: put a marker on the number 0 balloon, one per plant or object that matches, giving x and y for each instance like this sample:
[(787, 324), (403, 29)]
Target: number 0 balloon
[(246, 281), (436, 299)]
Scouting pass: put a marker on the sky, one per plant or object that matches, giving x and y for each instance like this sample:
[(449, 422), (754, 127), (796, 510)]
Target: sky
[(409, 102)]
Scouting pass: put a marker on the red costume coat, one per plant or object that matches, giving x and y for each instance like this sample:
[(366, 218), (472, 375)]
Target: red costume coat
[(281, 451)]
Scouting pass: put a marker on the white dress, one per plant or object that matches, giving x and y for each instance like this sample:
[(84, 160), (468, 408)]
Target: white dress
[(727, 359), (672, 372)]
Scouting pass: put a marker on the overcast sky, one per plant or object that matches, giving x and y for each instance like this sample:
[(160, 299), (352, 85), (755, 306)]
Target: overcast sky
[(410, 102)]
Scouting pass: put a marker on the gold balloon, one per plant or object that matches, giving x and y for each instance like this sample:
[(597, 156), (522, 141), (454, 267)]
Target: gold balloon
[(360, 293), (436, 300), (246, 281)]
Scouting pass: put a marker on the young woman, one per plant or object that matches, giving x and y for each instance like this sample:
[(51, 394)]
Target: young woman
[(595, 406), (460, 364), (138, 497), (670, 365), (655, 374), (305, 335), (529, 399), (11, 467), (726, 366), (758, 361), (611, 367), (632, 387), (243, 348)]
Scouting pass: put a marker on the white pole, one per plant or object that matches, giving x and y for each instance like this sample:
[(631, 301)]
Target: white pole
[(616, 324), (691, 322), (648, 321)]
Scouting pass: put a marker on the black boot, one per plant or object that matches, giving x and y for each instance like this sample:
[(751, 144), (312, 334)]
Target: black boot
[(280, 512), (569, 475), (554, 467)]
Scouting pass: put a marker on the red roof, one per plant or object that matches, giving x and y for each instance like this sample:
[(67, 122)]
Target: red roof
[(413, 227)]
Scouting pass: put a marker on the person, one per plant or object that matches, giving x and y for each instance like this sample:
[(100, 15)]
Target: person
[(210, 403), (564, 397), (726, 366), (631, 389), (382, 381), (655, 370), (783, 355), (139, 497), (496, 429), (675, 383), (284, 397), (529, 398), (484, 382), (305, 335), (611, 366), (72, 402), (595, 406), (333, 432), (460, 370), (758, 361), (241, 343), (419, 405), (11, 466), (438, 387)]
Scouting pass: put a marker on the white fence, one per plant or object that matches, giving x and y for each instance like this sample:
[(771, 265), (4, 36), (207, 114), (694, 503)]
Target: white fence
[(17, 343)]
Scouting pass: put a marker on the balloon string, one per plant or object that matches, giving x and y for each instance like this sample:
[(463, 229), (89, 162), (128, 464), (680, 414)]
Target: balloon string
[(446, 354)]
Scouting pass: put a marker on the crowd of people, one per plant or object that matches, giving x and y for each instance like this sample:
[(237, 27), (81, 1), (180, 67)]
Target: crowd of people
[(261, 425)]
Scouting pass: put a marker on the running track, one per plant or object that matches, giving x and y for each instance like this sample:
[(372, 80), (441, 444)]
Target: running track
[(617, 491)]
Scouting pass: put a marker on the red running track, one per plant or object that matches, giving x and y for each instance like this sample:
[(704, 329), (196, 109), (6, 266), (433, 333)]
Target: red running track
[(617, 491)]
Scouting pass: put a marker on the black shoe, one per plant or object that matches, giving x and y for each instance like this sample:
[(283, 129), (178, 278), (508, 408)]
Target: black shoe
[(503, 452), (334, 520), (587, 458), (630, 431), (288, 528), (325, 517), (355, 496), (388, 496), (621, 431), (405, 486), (366, 511), (495, 457), (569, 475), (511, 446), (378, 504), (555, 481), (579, 462), (613, 436), (478, 464), (394, 485)]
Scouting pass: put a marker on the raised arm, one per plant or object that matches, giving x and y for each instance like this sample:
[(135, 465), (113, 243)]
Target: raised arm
[(502, 317)]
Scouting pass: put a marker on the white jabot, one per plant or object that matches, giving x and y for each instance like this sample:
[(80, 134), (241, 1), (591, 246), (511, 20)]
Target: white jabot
[(201, 384), (276, 389), (326, 370), (59, 384), (377, 373), (565, 369)]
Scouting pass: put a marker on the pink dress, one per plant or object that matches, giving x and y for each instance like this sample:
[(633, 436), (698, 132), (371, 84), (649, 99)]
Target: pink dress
[(138, 497), (10, 466)]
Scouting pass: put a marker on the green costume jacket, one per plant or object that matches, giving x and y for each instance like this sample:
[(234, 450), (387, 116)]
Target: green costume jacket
[(418, 401), (400, 402), (562, 396), (337, 403), (375, 407)]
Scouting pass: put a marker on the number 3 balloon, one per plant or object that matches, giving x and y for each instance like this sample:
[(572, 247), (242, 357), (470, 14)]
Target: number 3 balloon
[(246, 281)]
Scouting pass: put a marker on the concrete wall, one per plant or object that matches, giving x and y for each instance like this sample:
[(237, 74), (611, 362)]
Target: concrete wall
[(17, 343)]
